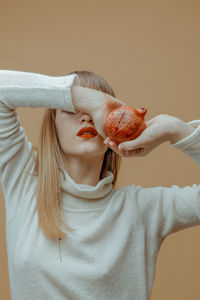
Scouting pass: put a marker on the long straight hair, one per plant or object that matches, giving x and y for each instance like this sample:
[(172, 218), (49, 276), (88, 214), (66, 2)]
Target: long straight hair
[(49, 164)]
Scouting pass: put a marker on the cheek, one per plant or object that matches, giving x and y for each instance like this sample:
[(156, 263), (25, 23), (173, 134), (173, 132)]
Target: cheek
[(64, 135), (66, 138), (64, 127)]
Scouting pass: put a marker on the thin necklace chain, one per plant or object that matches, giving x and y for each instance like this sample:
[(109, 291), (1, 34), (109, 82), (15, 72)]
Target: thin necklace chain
[(60, 250)]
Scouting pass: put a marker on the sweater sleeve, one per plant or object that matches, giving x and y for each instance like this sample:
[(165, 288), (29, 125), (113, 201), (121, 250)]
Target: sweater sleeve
[(165, 210), (25, 89)]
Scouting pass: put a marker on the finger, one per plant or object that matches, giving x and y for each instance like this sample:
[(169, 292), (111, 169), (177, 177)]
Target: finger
[(128, 153), (150, 122), (112, 145), (128, 146), (136, 152), (115, 103), (107, 141), (139, 151)]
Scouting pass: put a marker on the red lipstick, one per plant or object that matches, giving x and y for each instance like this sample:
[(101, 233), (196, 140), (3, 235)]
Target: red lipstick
[(87, 132)]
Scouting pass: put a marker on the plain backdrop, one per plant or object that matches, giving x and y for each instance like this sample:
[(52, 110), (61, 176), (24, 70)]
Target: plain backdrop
[(149, 53)]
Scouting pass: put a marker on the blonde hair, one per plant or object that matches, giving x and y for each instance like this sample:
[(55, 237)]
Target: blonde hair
[(48, 165)]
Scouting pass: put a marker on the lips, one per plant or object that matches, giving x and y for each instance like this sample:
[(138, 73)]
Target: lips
[(89, 130)]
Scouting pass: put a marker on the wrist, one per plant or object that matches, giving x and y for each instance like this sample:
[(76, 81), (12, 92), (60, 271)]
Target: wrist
[(179, 130)]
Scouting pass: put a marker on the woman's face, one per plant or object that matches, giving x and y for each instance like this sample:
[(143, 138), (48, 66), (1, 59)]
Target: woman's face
[(68, 124)]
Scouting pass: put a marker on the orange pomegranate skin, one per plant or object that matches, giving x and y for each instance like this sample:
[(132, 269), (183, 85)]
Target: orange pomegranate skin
[(125, 123)]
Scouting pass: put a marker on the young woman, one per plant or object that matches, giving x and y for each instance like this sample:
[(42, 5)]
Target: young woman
[(70, 233)]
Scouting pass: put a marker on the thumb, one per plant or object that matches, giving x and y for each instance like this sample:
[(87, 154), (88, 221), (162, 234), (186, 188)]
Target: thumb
[(130, 145)]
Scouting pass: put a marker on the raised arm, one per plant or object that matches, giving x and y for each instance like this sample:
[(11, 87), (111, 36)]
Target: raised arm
[(24, 89)]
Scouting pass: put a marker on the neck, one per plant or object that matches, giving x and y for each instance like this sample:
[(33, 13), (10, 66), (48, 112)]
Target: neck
[(83, 170)]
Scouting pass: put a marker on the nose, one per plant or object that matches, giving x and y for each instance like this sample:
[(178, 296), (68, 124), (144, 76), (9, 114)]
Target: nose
[(86, 118)]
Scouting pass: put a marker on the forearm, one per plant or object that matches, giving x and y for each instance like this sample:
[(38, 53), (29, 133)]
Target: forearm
[(26, 89), (86, 99), (179, 130)]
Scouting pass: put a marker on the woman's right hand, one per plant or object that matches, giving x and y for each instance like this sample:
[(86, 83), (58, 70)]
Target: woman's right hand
[(96, 103), (99, 115)]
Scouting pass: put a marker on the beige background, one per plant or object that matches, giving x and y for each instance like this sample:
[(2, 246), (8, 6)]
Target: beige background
[(149, 52)]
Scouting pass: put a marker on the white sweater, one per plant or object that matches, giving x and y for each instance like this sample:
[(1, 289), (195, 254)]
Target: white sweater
[(112, 253)]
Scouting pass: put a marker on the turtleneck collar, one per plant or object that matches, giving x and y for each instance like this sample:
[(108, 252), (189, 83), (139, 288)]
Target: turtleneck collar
[(81, 197)]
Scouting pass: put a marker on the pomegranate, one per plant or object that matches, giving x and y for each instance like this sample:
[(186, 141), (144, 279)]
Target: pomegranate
[(125, 123)]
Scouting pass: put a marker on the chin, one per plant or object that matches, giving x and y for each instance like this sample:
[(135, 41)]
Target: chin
[(93, 151)]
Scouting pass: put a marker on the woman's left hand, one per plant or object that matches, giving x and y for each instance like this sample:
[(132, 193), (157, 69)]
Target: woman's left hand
[(159, 130)]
